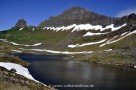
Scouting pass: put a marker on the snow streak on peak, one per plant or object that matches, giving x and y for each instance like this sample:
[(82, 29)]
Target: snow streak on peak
[(80, 27)]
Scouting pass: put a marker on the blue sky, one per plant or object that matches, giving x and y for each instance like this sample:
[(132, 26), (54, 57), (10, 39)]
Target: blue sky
[(35, 11)]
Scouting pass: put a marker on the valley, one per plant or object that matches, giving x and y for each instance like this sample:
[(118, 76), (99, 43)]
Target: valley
[(82, 35)]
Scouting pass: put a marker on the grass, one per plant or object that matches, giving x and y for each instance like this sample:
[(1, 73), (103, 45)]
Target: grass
[(28, 36), (124, 43)]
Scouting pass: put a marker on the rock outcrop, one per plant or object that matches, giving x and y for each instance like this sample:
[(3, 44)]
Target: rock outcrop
[(21, 23)]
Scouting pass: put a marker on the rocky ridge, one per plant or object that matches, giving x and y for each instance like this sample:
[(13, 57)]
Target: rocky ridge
[(77, 15)]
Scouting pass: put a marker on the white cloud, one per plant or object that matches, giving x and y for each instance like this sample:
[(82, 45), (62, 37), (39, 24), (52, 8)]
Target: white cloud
[(126, 12)]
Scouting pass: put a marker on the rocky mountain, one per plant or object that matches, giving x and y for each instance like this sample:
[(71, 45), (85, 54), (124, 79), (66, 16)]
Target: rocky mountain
[(127, 19), (77, 15), (21, 23)]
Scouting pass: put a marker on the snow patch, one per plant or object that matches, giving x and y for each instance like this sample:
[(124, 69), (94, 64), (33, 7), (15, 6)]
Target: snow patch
[(91, 34), (33, 29), (108, 50), (114, 28), (58, 52), (15, 43), (69, 27), (20, 69), (110, 41), (85, 27), (86, 44), (124, 33), (37, 44), (16, 51), (21, 29)]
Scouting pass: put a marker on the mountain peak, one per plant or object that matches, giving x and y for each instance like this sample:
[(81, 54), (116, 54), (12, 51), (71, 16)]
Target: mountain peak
[(76, 8), (77, 15), (132, 16), (21, 23)]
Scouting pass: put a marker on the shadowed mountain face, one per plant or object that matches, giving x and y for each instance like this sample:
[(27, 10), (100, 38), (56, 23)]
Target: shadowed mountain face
[(78, 15)]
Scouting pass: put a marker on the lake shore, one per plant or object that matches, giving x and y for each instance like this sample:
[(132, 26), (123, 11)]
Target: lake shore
[(12, 81)]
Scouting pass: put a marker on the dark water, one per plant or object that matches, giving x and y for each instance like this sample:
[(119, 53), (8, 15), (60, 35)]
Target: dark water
[(53, 70)]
